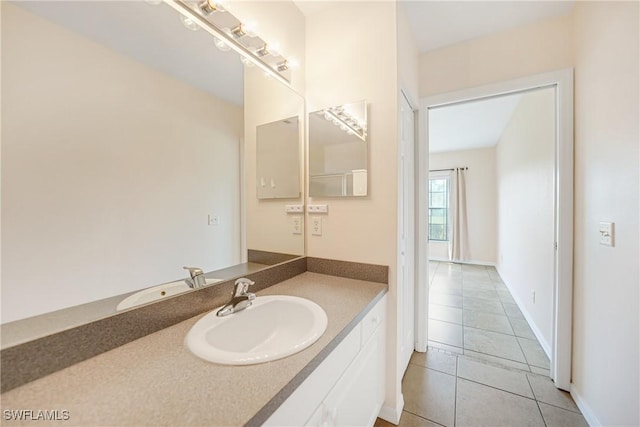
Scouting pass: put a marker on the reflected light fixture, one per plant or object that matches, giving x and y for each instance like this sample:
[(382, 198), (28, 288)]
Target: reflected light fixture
[(189, 23), (341, 117)]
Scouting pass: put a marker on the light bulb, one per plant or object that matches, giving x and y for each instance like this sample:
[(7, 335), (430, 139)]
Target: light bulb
[(246, 61), (250, 28), (293, 63), (221, 44), (344, 127), (274, 49), (336, 122), (189, 23), (327, 115)]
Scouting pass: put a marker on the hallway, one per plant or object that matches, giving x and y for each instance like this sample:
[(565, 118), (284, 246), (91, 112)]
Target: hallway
[(484, 366)]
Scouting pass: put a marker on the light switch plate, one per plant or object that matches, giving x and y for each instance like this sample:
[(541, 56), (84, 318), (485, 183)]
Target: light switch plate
[(317, 208), (606, 233), (294, 208)]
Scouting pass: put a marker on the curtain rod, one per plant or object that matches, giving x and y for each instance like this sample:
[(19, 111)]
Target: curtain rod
[(450, 169)]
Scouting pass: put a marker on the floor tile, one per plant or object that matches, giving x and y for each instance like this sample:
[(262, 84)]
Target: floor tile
[(487, 321), (540, 371), (446, 281), (534, 353), (479, 405), (493, 343), (480, 293), (545, 391), (445, 347), (446, 289), (505, 296), (481, 304), (504, 379), (444, 299), (445, 332), (477, 285), (521, 329), (446, 314), (496, 361), (437, 360), (513, 311), (429, 394), (407, 419), (557, 417)]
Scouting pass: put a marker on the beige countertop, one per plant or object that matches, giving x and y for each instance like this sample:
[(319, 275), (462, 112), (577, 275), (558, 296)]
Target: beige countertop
[(155, 380)]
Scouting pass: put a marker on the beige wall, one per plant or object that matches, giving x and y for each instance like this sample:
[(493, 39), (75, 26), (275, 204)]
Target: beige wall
[(481, 202), (267, 100), (525, 167), (351, 56), (603, 47), (606, 290), (108, 173), (532, 49)]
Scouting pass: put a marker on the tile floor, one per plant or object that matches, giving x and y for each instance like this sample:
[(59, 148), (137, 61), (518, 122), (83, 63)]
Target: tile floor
[(484, 366)]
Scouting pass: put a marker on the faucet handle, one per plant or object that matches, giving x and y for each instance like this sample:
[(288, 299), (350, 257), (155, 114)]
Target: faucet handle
[(194, 271), (242, 285)]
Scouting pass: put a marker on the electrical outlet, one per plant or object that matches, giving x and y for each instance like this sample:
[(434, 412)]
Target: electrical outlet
[(213, 219), (533, 296), (296, 224), (606, 233), (316, 225)]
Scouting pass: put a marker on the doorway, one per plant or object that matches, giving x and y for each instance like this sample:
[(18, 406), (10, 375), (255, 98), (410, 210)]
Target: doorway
[(559, 196)]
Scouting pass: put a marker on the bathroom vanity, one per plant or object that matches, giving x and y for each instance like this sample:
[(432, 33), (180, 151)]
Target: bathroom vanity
[(155, 380)]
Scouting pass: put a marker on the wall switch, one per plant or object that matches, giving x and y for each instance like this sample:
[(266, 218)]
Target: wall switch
[(316, 225), (296, 224), (294, 208), (606, 233), (213, 219), (533, 296), (318, 208)]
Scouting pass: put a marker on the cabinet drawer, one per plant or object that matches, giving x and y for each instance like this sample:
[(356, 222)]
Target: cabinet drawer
[(373, 319)]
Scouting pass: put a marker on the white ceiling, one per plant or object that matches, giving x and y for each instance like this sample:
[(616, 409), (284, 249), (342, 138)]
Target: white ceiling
[(153, 35), (470, 125), (436, 24)]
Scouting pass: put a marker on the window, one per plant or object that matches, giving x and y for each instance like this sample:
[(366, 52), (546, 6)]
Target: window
[(439, 208)]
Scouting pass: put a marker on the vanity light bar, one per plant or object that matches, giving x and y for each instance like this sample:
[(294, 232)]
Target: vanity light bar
[(184, 9), (337, 114)]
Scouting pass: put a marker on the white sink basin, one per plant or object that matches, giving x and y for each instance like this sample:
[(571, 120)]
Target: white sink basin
[(156, 293), (273, 327)]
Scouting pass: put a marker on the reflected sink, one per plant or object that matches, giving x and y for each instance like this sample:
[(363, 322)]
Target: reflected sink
[(271, 328), (156, 293)]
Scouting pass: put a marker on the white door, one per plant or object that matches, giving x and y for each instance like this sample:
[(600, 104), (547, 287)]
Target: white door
[(406, 232)]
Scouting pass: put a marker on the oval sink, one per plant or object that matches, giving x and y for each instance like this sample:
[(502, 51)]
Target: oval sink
[(273, 327), (156, 293)]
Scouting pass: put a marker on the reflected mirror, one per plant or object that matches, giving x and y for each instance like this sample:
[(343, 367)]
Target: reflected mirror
[(338, 151), (278, 153), (128, 146)]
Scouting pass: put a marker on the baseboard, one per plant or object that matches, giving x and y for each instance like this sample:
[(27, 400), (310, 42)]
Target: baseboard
[(392, 414), (587, 413), (546, 346), (487, 263)]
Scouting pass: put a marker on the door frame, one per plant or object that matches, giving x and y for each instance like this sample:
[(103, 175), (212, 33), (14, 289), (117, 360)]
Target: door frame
[(562, 80)]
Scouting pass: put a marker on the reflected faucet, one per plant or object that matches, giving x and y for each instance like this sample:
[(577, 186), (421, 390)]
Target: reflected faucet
[(240, 300), (196, 279)]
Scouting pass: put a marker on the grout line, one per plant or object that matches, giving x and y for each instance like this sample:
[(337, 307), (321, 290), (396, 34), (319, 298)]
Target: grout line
[(424, 418), (537, 401), (455, 395), (497, 388)]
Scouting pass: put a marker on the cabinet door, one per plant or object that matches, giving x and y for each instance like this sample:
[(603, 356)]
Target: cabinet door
[(358, 396)]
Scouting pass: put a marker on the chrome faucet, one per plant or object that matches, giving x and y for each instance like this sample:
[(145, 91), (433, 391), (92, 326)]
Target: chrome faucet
[(196, 277), (240, 300)]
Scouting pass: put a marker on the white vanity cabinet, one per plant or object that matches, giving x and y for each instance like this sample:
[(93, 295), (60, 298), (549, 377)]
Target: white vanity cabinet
[(347, 389)]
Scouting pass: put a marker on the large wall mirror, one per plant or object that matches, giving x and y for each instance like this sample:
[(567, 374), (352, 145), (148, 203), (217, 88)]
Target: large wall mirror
[(128, 152), (338, 151)]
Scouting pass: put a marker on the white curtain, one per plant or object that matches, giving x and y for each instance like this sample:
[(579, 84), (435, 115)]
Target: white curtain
[(459, 242)]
